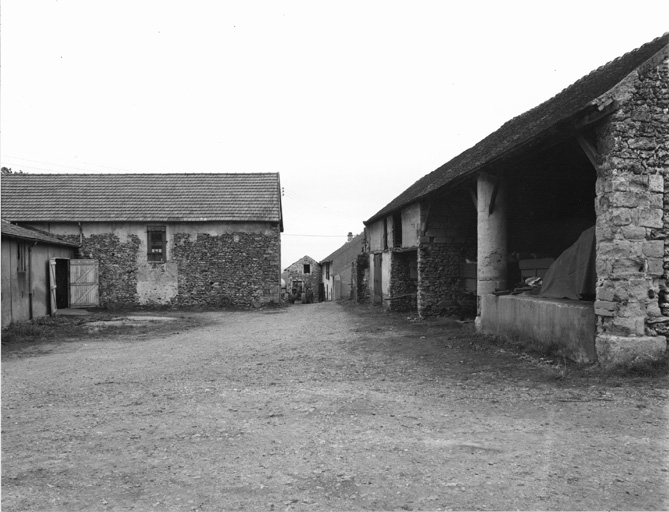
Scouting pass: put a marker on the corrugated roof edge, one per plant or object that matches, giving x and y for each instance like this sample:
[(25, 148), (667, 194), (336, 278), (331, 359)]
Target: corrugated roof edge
[(426, 185), (14, 231)]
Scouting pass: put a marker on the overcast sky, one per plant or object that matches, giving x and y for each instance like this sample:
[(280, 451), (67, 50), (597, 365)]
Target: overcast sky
[(351, 102)]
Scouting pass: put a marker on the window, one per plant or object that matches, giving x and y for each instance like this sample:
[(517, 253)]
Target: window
[(307, 268), (21, 259), (327, 270), (156, 243)]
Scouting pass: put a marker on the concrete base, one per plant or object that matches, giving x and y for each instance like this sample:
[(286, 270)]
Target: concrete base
[(622, 351), (567, 325)]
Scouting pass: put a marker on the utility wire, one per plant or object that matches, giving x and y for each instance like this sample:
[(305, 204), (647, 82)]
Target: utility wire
[(319, 236), (318, 207), (70, 167)]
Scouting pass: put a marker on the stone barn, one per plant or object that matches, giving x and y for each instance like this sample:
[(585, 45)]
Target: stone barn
[(554, 228), (303, 280), (206, 240)]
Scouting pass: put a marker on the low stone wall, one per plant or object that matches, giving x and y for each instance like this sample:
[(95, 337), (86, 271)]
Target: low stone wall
[(567, 326)]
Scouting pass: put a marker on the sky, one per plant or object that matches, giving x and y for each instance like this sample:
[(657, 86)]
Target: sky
[(350, 101)]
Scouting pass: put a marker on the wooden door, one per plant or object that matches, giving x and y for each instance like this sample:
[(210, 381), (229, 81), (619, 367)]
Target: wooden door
[(52, 285), (84, 288), (378, 292)]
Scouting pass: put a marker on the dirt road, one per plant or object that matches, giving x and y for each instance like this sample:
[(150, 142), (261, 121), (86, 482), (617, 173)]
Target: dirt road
[(323, 407)]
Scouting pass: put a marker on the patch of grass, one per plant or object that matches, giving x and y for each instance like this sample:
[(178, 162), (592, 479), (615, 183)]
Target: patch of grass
[(44, 328), (68, 328)]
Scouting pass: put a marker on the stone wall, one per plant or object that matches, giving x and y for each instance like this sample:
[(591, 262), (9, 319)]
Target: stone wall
[(360, 282), (240, 269), (236, 269), (117, 266), (403, 281), (449, 238), (632, 228)]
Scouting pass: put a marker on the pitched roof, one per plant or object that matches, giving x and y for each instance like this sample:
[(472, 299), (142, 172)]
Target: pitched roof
[(565, 107), (14, 231), (356, 240), (141, 197)]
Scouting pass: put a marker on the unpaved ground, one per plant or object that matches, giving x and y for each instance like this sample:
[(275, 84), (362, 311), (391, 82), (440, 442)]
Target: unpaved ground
[(323, 407)]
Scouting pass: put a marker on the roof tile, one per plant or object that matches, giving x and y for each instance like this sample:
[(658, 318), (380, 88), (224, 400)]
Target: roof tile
[(141, 197)]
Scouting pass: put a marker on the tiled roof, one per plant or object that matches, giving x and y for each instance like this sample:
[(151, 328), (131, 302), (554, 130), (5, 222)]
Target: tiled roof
[(573, 101), (14, 231), (141, 197), (356, 240)]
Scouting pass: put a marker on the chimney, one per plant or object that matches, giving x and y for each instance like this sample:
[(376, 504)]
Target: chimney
[(350, 236)]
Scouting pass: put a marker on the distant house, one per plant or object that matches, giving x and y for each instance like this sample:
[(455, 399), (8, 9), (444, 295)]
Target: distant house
[(338, 269), (28, 272), (303, 280), (574, 191), (162, 239)]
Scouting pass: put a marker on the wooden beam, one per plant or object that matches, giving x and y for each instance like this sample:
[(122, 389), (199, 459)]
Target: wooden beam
[(603, 110), (495, 191), (589, 150), (475, 199)]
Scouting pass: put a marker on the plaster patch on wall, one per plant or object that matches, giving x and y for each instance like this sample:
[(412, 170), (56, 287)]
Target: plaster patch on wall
[(157, 283)]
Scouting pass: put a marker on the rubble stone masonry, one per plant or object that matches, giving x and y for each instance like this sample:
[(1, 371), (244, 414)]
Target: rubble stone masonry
[(117, 270), (632, 224), (449, 238), (403, 281), (238, 269), (241, 269)]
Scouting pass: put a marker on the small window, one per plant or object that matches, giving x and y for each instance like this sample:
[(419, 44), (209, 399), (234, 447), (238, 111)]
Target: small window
[(327, 271), (307, 268), (156, 243), (21, 259)]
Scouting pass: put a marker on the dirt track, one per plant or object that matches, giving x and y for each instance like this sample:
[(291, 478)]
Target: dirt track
[(323, 407)]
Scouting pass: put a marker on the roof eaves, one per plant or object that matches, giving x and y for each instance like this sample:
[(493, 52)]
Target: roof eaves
[(19, 232), (472, 160)]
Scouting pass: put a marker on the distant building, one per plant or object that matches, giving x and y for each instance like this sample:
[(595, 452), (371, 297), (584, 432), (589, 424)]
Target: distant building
[(302, 280), (338, 269)]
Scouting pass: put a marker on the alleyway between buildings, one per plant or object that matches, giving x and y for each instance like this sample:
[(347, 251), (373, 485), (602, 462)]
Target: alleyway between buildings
[(323, 407)]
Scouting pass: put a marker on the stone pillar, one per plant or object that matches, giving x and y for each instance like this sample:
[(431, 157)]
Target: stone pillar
[(630, 222), (492, 236)]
